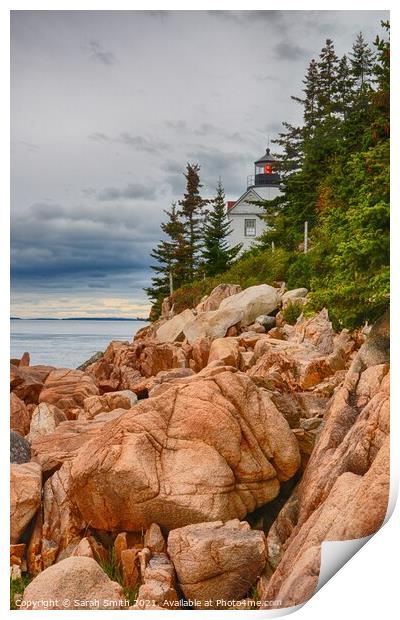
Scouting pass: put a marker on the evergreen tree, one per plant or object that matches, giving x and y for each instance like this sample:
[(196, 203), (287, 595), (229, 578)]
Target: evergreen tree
[(345, 89), (217, 254), (309, 103), (380, 127), (170, 256), (362, 63), (327, 80), (193, 213)]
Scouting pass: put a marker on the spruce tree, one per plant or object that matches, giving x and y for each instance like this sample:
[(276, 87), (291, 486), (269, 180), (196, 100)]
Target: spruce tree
[(327, 82), (217, 255), (345, 89), (310, 100), (170, 256), (192, 213), (362, 63)]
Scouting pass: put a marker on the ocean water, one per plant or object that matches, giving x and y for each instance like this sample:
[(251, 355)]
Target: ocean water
[(67, 344)]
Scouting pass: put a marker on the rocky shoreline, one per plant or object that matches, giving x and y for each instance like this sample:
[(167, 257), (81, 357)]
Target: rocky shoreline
[(201, 465)]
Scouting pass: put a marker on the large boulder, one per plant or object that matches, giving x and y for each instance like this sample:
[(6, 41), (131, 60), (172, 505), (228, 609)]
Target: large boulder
[(212, 324), (355, 428), (213, 300), (27, 381), (116, 368), (53, 449), (306, 358), (156, 357), (25, 495), (253, 301), (62, 524), (45, 420), (225, 350), (67, 389), (317, 331), (172, 330), (293, 295), (200, 353), (217, 563), (19, 415), (376, 348), (153, 463), (74, 583), (344, 490), (124, 365), (93, 405), (355, 508)]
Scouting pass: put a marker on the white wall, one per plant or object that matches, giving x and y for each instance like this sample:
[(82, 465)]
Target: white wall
[(237, 225), (245, 210)]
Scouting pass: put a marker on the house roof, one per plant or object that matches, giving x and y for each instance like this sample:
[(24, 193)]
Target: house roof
[(232, 203)]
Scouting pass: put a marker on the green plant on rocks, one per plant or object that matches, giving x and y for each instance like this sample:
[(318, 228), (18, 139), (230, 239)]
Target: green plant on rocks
[(17, 588), (292, 311), (113, 571)]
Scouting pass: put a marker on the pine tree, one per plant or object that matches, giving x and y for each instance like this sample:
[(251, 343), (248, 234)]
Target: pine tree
[(310, 90), (362, 63), (193, 213), (380, 128), (327, 83), (217, 255), (345, 88), (170, 256)]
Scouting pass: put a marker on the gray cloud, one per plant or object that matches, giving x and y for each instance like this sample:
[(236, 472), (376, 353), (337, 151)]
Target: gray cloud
[(99, 286), (132, 190), (98, 136), (88, 192), (285, 50), (139, 143), (250, 16), (261, 77), (82, 243), (232, 167), (101, 55), (177, 125)]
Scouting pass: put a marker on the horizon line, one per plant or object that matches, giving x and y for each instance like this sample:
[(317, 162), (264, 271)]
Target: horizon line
[(78, 318)]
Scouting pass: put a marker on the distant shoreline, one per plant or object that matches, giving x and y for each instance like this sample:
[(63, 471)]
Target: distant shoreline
[(18, 318)]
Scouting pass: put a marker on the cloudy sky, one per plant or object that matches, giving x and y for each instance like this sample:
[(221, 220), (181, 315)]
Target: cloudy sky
[(107, 108)]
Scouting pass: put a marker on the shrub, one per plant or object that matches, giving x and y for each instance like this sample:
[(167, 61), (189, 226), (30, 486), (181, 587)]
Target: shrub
[(292, 311)]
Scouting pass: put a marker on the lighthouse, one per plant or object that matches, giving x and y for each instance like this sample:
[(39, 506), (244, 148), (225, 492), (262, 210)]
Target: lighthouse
[(265, 172), (243, 213)]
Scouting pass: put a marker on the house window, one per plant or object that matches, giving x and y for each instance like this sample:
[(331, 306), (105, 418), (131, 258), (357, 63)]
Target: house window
[(250, 228)]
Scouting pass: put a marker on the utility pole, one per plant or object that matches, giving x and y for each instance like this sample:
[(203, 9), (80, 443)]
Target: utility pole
[(171, 283), (305, 237)]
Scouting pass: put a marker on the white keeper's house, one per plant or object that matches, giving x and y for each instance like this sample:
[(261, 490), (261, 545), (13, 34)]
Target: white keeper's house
[(243, 214)]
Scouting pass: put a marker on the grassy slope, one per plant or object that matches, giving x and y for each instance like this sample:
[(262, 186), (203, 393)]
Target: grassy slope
[(263, 267)]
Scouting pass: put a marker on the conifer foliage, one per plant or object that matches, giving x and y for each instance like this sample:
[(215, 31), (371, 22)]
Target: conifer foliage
[(170, 256), (335, 171), (192, 212), (194, 243), (217, 255)]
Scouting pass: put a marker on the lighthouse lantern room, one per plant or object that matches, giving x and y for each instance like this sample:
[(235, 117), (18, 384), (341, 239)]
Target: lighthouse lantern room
[(265, 172)]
